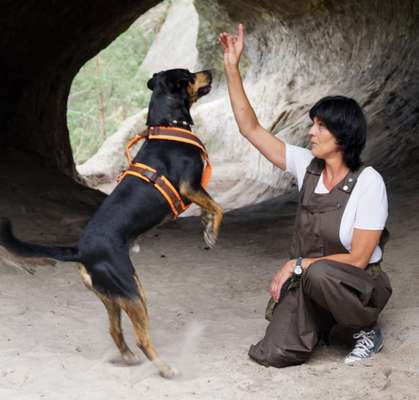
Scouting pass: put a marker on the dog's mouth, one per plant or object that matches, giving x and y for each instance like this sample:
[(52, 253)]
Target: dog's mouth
[(202, 91)]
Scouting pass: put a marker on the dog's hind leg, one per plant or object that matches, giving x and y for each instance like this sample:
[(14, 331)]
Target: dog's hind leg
[(136, 310), (212, 212), (115, 329), (114, 314)]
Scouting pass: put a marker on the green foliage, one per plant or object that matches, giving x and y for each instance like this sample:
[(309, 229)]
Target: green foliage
[(109, 88)]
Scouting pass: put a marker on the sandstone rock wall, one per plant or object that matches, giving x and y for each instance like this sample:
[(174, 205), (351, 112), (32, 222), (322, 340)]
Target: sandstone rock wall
[(43, 44), (297, 52)]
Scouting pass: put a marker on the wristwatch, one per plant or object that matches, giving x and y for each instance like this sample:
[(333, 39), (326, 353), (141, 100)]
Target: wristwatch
[(298, 269)]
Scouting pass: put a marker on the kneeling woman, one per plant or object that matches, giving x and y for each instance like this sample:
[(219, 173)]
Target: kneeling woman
[(340, 227)]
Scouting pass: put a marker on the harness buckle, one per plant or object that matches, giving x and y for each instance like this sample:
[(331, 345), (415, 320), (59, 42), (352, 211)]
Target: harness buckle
[(153, 176)]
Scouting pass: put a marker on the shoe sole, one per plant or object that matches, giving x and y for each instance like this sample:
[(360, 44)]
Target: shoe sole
[(380, 347)]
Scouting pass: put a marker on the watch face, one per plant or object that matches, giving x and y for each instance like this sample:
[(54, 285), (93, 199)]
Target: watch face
[(298, 270)]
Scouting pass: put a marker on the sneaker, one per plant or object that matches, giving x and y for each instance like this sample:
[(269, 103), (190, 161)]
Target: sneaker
[(367, 344)]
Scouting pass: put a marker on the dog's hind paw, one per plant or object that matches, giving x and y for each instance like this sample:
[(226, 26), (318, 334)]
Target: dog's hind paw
[(169, 372), (129, 358)]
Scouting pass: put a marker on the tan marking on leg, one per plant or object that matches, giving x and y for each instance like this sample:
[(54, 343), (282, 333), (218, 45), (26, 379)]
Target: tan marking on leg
[(114, 315), (85, 277), (142, 293), (212, 212), (137, 312), (115, 328)]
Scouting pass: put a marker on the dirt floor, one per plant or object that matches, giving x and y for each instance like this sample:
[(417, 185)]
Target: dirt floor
[(206, 308)]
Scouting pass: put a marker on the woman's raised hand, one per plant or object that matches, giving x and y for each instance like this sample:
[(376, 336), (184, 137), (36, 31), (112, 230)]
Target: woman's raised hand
[(232, 45)]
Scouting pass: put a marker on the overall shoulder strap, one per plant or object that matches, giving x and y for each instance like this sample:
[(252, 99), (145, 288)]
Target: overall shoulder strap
[(348, 184), (312, 175), (315, 167)]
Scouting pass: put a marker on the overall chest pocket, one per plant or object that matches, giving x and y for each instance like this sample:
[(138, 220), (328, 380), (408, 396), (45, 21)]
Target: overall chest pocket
[(319, 229)]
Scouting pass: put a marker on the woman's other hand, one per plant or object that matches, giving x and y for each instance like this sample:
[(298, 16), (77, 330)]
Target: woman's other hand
[(280, 278), (232, 46)]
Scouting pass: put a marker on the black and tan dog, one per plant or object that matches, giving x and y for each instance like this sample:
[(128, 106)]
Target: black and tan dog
[(134, 207)]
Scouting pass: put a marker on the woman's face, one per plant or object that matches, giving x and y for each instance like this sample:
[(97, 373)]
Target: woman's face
[(323, 143)]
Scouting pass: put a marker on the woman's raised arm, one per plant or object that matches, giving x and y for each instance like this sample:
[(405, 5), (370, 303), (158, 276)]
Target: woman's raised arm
[(269, 145)]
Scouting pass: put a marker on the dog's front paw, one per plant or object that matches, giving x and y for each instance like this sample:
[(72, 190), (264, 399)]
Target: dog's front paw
[(210, 237), (205, 218)]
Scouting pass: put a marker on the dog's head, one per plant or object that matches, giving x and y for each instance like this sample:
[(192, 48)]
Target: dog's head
[(174, 91), (182, 83)]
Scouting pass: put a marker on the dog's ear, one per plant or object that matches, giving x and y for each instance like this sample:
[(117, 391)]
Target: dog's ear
[(150, 83)]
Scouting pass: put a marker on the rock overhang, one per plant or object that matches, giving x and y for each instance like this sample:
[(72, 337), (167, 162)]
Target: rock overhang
[(296, 52)]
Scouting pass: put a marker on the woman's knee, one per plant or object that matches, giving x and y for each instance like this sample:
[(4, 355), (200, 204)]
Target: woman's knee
[(318, 272)]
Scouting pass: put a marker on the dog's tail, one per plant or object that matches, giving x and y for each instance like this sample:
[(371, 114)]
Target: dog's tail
[(24, 249)]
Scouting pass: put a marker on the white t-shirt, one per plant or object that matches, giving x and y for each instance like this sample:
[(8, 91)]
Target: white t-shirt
[(367, 207)]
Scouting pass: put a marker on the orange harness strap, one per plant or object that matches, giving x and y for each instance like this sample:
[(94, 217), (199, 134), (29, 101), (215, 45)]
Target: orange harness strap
[(149, 174)]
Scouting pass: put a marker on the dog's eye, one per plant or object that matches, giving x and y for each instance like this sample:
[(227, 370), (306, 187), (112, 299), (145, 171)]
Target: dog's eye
[(182, 82)]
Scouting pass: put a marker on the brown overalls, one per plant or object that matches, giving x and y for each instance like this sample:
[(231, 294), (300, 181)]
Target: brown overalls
[(329, 292)]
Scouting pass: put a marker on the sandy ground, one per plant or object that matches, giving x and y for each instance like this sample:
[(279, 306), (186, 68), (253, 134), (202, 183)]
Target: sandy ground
[(206, 308)]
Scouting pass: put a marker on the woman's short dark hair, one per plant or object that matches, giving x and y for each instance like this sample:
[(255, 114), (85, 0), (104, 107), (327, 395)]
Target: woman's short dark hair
[(346, 121)]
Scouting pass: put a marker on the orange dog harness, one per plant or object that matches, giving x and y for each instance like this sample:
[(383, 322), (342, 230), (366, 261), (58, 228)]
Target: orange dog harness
[(160, 182)]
